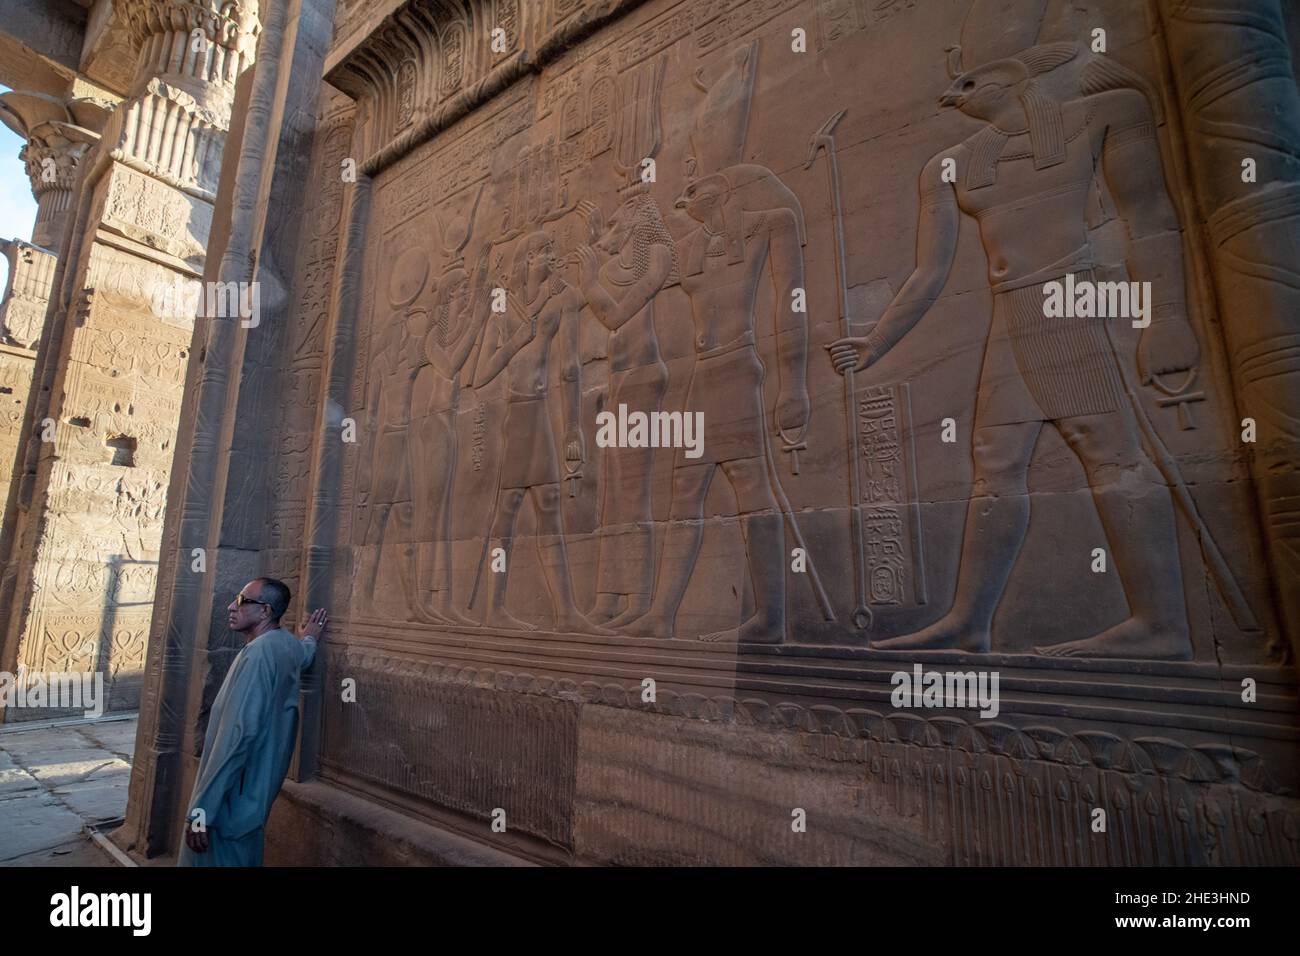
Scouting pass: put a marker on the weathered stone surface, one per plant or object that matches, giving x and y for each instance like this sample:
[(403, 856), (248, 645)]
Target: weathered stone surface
[(841, 255), (83, 527)]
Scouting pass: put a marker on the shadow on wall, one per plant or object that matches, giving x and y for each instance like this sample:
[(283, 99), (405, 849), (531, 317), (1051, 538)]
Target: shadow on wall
[(130, 586)]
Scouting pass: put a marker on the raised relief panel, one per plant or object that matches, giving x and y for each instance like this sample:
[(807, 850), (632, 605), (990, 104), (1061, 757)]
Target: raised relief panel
[(683, 358), (156, 215)]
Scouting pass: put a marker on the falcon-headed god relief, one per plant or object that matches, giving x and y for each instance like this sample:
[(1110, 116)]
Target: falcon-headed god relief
[(749, 225), (1025, 179)]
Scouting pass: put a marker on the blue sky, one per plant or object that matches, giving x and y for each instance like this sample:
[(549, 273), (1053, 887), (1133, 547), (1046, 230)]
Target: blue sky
[(17, 206)]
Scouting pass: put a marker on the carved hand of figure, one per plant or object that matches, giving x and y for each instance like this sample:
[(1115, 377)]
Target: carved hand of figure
[(314, 627), (588, 265), (524, 334), (484, 263), (595, 219), (1167, 345), (792, 412), (851, 354), (575, 446)]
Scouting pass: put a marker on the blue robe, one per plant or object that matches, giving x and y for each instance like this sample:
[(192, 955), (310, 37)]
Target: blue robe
[(246, 753)]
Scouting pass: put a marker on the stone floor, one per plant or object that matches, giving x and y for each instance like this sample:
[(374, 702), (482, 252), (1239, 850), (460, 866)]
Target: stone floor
[(54, 781)]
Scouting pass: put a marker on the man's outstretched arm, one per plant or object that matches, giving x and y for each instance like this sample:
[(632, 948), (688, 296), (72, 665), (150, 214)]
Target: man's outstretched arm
[(310, 634), (938, 224)]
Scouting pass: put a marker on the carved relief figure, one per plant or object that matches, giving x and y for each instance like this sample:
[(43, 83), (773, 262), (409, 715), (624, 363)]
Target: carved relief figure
[(458, 309), (529, 462), (641, 260), (749, 223), (1025, 178), (385, 481), (632, 260)]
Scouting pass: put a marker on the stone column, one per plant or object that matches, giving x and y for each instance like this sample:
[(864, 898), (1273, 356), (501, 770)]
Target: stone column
[(83, 522), (239, 484), (59, 133), (1236, 82), (22, 315)]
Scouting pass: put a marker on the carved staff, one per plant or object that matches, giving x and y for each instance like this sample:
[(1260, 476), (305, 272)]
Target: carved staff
[(824, 138), (814, 579)]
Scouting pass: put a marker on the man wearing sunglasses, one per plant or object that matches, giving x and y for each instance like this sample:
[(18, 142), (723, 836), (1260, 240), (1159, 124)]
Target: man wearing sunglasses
[(251, 730)]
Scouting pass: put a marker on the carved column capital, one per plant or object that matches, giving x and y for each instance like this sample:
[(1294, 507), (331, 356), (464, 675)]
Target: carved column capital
[(59, 133), (189, 55), (199, 46)]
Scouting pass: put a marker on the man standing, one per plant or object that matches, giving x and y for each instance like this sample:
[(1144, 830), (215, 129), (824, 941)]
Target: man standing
[(251, 730)]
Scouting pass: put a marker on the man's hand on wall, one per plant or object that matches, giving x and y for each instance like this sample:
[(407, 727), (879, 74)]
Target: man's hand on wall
[(314, 626)]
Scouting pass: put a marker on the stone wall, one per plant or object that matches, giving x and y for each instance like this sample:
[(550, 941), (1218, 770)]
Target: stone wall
[(636, 655)]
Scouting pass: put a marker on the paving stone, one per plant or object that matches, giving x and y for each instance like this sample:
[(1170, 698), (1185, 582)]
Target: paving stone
[(21, 742), (102, 796), (117, 736), (79, 853), (14, 779), (35, 821), (59, 767)]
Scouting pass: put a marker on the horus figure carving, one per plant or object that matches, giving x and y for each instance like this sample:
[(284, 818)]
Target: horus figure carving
[(529, 462), (640, 259), (458, 309), (1025, 179), (749, 223)]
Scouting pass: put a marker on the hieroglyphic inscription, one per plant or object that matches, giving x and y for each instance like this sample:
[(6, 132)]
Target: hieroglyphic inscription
[(151, 212), (453, 58), (837, 19), (894, 574), (405, 93), (713, 22), (480, 434), (429, 178)]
